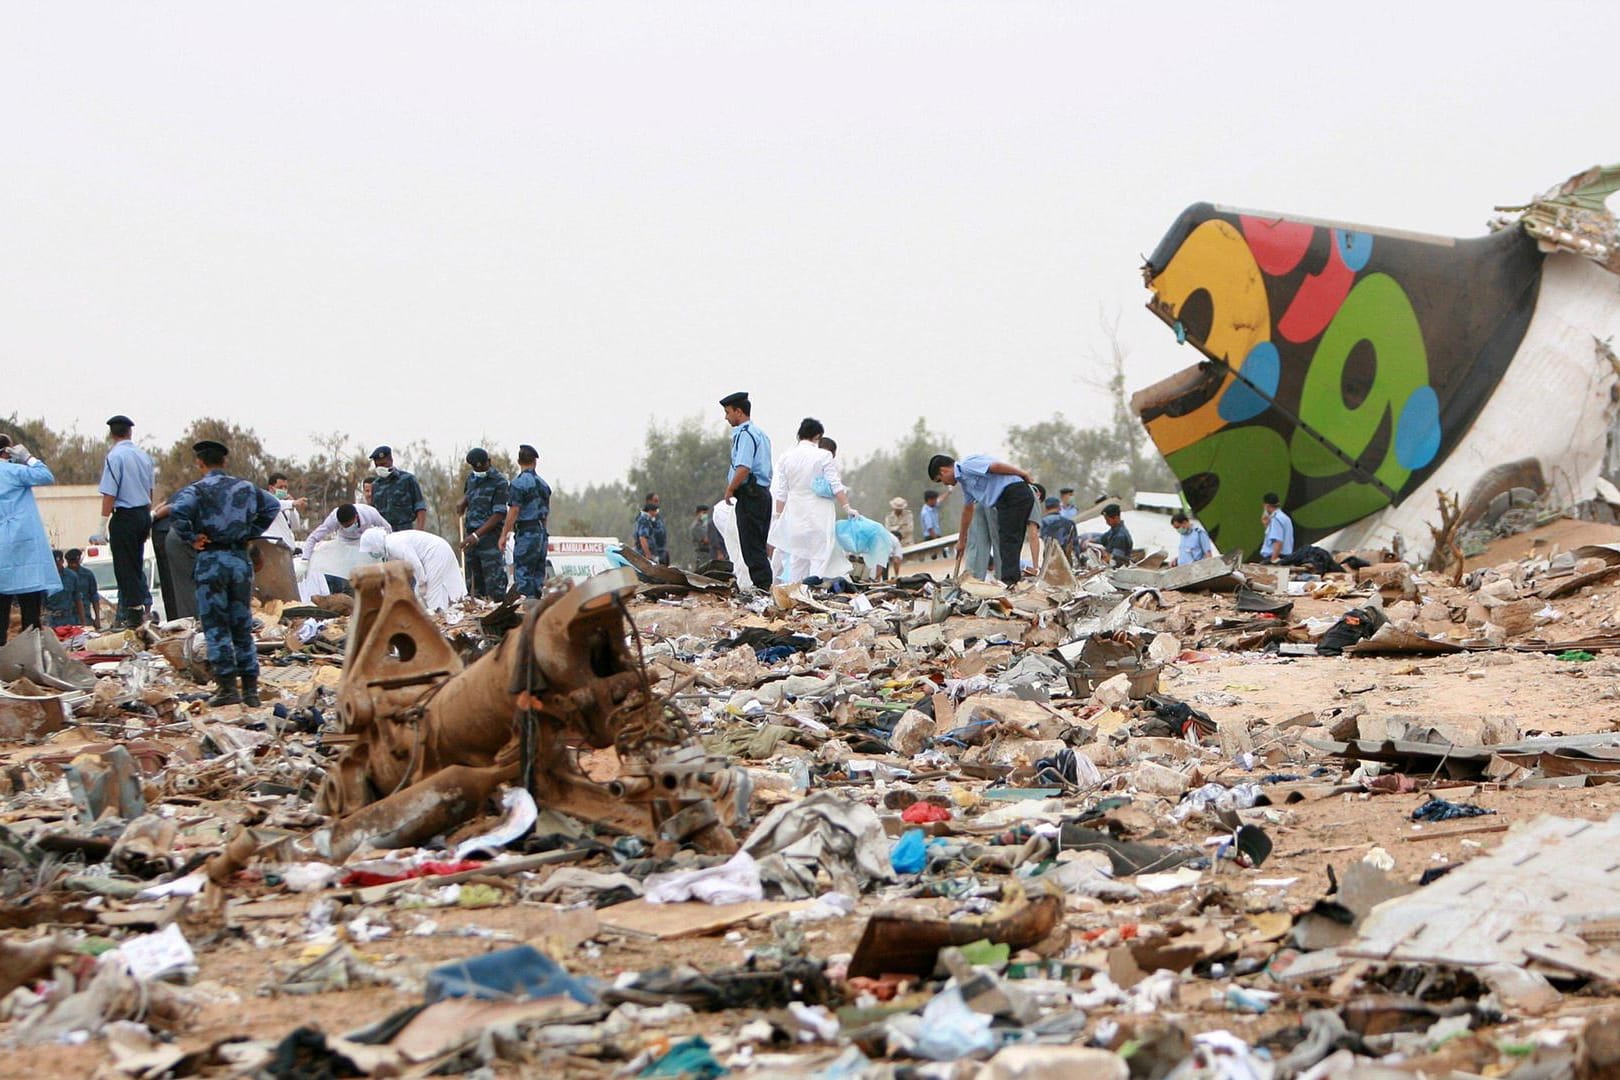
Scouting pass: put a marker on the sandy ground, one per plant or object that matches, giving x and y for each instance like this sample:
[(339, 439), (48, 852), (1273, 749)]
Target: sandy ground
[(1528, 693)]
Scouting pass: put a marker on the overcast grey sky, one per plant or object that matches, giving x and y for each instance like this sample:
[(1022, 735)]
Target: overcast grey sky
[(550, 223)]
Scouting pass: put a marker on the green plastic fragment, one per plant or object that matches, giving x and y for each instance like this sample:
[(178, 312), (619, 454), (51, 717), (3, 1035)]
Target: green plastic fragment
[(982, 953)]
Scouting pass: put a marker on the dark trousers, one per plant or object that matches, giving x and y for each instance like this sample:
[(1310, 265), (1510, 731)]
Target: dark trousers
[(126, 535), (165, 572), (224, 578), (486, 568), (181, 577), (1012, 525), (529, 557), (753, 526), (31, 603)]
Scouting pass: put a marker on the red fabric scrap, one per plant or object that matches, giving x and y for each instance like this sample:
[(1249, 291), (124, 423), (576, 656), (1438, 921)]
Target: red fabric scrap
[(923, 813), (363, 878)]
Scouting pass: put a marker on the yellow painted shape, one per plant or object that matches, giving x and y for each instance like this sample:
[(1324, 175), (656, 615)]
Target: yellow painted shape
[(1216, 258)]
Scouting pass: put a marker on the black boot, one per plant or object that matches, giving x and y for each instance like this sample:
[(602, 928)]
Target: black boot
[(227, 694), (250, 691)]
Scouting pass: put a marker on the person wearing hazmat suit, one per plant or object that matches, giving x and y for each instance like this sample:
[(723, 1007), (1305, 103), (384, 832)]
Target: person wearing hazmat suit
[(802, 531), (432, 560), (27, 568)]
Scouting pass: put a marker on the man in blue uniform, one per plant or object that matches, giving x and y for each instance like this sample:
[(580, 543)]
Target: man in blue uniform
[(1195, 543), (528, 509), (396, 494), (749, 487), (929, 515), (1279, 539), (217, 515), (1066, 505), (89, 589), (61, 608), (651, 538), (992, 484), (126, 511), (484, 498), (1116, 541), (1059, 530)]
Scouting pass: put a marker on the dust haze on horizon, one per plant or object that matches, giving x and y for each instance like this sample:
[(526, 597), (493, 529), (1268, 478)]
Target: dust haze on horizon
[(554, 223)]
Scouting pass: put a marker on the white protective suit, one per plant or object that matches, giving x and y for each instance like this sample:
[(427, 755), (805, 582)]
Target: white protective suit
[(803, 530), (287, 523), (431, 558), (336, 559)]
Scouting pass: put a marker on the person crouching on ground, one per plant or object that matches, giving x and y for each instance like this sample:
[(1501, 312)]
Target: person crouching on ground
[(988, 482)]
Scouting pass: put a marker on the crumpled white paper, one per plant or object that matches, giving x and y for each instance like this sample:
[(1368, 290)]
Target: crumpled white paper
[(734, 881)]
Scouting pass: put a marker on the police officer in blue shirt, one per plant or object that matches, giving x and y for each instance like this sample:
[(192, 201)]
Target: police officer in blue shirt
[(929, 515), (749, 488), (988, 482), (396, 494), (1195, 544), (528, 509), (217, 515), (126, 511), (1066, 505), (1279, 539), (483, 500)]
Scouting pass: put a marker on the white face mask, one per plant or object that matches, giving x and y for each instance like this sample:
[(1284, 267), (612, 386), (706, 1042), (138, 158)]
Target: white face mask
[(350, 532), (383, 470), (479, 475)]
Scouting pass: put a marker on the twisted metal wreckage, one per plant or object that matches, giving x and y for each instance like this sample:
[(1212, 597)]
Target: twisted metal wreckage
[(434, 738)]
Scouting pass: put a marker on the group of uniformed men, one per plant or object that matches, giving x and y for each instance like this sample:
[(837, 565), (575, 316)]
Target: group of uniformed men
[(218, 514), (495, 509)]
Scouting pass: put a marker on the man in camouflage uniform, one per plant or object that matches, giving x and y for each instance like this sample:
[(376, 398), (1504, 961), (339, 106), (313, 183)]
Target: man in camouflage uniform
[(483, 501), (648, 532), (396, 494), (528, 508), (217, 515)]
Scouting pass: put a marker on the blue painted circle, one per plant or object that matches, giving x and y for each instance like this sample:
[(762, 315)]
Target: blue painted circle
[(1251, 395), (1417, 432), (1355, 248)]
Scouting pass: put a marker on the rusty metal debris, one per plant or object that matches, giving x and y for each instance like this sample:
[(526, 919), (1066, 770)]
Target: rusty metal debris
[(1090, 811), (434, 739)]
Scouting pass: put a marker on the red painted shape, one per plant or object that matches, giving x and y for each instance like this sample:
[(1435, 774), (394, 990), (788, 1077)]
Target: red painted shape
[(1277, 245), (1319, 298)]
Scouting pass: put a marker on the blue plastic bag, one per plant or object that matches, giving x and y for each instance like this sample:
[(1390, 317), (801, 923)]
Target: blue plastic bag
[(690, 1058), (910, 853), (868, 539), (510, 973)]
